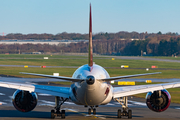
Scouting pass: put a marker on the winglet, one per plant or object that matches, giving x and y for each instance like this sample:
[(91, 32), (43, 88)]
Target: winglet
[(90, 62)]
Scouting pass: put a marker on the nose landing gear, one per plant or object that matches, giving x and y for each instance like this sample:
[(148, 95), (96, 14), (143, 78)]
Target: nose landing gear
[(92, 110)]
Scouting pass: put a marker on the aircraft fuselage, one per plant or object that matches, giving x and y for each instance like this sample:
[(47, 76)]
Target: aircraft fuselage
[(90, 91)]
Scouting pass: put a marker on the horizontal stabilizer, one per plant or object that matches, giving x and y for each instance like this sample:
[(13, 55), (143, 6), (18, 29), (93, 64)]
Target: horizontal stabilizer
[(52, 76), (127, 76)]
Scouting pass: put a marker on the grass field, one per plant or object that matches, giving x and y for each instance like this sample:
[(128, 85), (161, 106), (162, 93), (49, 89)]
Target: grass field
[(57, 60), (80, 60)]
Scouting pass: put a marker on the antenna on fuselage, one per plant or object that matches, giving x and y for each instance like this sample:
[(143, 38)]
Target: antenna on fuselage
[(90, 60)]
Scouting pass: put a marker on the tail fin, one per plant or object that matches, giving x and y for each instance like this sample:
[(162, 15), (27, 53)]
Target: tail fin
[(90, 62)]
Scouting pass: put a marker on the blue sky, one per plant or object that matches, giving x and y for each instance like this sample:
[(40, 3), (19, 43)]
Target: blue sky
[(72, 16)]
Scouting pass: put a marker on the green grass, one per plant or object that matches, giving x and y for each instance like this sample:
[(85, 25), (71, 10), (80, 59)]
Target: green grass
[(14, 71), (81, 60), (40, 62)]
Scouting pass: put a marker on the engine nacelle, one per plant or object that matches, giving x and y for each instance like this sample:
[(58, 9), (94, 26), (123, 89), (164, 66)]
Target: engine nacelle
[(158, 101), (24, 101)]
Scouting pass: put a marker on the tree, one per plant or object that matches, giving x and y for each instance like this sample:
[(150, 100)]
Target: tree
[(159, 33)]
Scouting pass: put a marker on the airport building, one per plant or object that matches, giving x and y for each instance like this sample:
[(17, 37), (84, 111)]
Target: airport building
[(50, 42)]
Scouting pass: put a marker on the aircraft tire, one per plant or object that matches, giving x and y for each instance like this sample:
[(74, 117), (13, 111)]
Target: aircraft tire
[(129, 114), (63, 114), (119, 113), (89, 111), (94, 111), (52, 114)]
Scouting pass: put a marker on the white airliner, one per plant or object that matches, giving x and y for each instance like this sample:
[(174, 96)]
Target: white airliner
[(90, 88)]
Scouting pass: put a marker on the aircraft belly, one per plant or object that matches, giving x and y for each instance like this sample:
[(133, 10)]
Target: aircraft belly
[(90, 96)]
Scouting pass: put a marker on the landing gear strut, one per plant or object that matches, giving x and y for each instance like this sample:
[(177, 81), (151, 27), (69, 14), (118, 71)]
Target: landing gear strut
[(58, 107), (92, 109), (124, 102)]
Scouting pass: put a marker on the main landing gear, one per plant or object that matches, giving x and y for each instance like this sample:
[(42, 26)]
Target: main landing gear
[(124, 102), (92, 110), (57, 113)]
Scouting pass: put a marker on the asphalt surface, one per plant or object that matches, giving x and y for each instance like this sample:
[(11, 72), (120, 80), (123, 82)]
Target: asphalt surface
[(76, 112)]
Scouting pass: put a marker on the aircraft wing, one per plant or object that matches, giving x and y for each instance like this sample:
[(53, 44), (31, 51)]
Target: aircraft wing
[(52, 76), (128, 76), (132, 90), (52, 90)]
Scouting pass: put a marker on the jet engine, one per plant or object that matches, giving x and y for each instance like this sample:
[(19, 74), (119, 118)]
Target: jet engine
[(158, 101), (24, 101)]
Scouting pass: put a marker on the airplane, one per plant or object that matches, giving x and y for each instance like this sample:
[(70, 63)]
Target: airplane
[(90, 88)]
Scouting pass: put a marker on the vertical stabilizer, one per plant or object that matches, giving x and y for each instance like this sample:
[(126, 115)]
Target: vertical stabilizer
[(90, 62)]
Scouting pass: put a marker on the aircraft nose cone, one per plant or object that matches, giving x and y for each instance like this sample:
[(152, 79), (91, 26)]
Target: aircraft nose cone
[(90, 80)]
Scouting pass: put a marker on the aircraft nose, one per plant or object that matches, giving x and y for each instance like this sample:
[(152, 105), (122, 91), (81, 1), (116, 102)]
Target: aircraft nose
[(90, 80)]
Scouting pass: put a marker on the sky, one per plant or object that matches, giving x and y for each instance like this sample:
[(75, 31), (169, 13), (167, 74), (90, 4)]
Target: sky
[(72, 16)]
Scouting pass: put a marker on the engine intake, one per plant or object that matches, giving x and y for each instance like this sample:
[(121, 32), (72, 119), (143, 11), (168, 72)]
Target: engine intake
[(24, 101), (158, 101)]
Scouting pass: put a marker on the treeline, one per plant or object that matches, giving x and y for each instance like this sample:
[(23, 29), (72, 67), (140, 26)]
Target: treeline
[(99, 47), (76, 36), (163, 48), (107, 47), (121, 43)]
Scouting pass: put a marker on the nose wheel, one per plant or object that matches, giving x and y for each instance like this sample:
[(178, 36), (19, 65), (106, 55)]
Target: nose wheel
[(92, 110)]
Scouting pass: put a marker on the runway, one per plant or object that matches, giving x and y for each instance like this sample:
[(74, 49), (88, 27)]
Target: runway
[(76, 112)]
